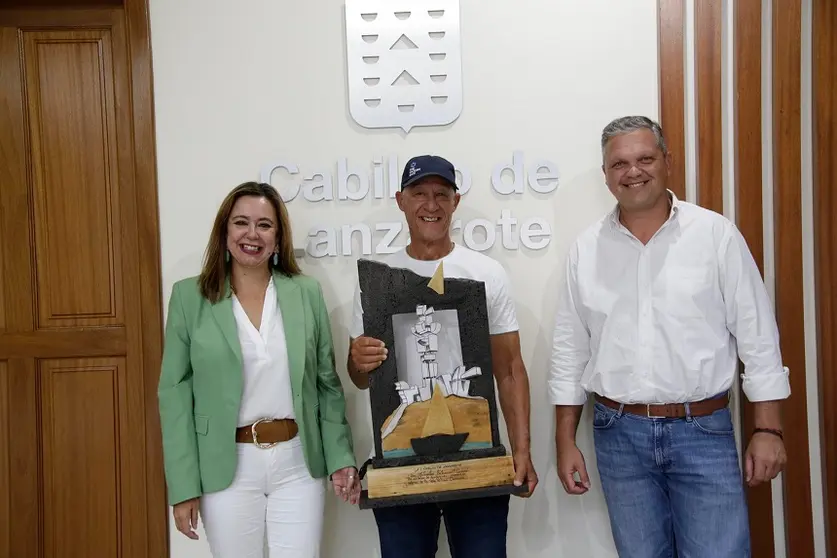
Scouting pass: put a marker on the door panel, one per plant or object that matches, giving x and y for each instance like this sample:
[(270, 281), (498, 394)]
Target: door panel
[(69, 102), (77, 361), (14, 206), (80, 410)]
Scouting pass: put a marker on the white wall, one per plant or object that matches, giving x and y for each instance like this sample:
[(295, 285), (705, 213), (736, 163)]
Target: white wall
[(242, 84)]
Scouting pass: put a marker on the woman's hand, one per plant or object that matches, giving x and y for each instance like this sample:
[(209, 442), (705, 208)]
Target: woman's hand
[(186, 517), (346, 483)]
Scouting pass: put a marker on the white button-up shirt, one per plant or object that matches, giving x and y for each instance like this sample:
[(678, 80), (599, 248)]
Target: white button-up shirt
[(664, 322), (265, 369)]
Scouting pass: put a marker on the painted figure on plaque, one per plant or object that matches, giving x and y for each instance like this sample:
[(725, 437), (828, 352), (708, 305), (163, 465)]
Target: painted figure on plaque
[(436, 414), (456, 382), (427, 343)]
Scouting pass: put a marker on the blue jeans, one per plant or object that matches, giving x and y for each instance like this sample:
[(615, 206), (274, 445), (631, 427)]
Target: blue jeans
[(673, 487), (476, 528)]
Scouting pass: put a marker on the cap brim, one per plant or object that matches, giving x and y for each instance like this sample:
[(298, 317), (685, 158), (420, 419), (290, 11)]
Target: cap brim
[(418, 177)]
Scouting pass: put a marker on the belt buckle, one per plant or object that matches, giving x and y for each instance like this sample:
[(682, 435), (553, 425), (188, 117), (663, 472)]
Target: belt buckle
[(256, 437), (648, 412)]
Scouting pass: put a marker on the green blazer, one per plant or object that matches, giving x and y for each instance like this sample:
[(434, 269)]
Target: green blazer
[(201, 385)]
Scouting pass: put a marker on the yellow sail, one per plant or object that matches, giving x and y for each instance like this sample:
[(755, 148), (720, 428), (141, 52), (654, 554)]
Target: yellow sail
[(437, 282), (439, 420)]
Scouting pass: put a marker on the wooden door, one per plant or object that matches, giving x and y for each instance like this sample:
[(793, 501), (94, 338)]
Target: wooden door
[(79, 449)]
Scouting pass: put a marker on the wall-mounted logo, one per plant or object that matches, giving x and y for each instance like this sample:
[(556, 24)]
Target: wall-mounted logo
[(404, 62)]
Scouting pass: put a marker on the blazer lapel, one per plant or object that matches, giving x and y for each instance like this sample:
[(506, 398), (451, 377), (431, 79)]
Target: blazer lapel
[(222, 311), (293, 318)]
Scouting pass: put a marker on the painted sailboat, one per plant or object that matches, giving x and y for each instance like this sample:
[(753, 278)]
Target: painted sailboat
[(438, 436)]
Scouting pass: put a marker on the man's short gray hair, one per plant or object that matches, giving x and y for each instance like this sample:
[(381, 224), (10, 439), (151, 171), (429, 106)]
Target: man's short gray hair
[(628, 124)]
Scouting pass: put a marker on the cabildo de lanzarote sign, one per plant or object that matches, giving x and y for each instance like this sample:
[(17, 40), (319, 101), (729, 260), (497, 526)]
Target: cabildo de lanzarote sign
[(351, 184)]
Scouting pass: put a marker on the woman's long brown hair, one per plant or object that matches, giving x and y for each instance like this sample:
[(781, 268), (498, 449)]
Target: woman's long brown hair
[(215, 270)]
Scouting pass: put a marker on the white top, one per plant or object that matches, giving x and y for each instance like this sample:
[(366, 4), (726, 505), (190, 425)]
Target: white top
[(460, 263), (265, 368), (667, 321)]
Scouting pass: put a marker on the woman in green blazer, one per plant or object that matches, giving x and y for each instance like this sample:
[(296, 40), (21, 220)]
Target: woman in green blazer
[(251, 407)]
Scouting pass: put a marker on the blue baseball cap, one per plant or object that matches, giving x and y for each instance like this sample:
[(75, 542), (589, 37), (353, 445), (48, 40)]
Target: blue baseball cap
[(423, 166)]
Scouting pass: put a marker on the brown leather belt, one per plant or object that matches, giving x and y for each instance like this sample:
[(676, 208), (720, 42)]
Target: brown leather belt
[(266, 433), (669, 410)]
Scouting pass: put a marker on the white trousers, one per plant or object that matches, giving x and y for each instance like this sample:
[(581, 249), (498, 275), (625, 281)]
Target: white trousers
[(272, 494)]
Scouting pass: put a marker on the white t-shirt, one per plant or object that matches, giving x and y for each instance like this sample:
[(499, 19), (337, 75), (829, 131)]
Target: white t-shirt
[(266, 371), (461, 263)]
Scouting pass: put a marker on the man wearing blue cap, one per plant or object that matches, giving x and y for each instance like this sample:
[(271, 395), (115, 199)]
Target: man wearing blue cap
[(476, 527)]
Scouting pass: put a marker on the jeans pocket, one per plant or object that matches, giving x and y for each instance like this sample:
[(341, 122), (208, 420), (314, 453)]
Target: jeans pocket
[(718, 423), (603, 417)]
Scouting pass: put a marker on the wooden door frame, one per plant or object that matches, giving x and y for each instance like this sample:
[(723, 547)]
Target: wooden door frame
[(824, 80), (138, 28), (134, 15), (136, 23)]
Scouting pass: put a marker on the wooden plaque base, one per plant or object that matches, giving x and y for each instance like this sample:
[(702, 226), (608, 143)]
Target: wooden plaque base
[(436, 482)]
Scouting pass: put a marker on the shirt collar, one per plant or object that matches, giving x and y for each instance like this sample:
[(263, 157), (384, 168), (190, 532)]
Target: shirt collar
[(613, 217)]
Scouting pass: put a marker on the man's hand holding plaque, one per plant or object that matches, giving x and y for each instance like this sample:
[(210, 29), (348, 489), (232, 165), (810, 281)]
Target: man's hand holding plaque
[(524, 473), (366, 354)]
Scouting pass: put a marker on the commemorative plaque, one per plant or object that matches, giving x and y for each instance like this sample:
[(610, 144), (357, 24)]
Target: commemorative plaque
[(434, 410)]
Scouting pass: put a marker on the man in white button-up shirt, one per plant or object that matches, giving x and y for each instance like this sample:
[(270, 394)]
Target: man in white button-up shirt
[(662, 298)]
